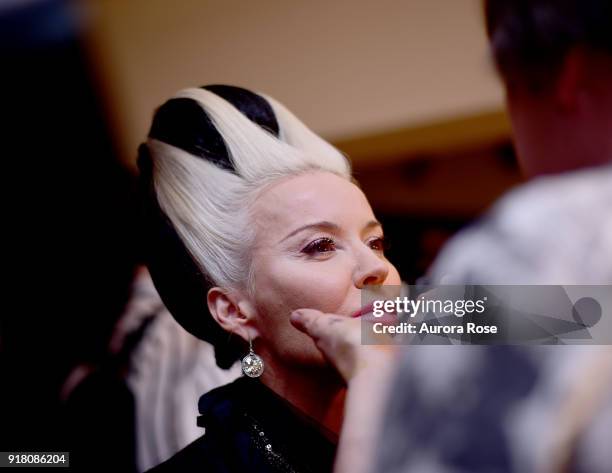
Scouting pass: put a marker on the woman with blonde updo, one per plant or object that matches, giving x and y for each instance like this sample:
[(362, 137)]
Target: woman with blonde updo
[(250, 216)]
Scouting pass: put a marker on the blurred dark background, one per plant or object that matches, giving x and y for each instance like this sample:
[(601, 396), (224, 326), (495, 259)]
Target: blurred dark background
[(69, 218)]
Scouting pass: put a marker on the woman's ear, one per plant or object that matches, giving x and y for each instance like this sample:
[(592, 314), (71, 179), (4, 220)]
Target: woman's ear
[(232, 312)]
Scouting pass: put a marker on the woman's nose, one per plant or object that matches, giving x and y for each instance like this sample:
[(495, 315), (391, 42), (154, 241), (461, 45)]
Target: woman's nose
[(370, 269)]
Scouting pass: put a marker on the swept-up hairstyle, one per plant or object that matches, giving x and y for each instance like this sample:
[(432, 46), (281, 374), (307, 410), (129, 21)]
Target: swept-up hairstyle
[(209, 152)]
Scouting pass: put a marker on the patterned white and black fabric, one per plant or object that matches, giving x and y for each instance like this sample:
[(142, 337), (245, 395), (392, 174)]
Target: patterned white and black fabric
[(508, 408)]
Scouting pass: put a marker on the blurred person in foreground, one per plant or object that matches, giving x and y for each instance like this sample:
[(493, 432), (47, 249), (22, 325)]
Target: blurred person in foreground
[(477, 409)]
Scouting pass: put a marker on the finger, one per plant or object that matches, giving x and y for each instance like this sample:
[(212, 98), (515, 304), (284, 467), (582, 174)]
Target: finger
[(316, 324)]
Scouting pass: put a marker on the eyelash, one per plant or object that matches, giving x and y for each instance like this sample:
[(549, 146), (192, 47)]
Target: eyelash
[(315, 246)]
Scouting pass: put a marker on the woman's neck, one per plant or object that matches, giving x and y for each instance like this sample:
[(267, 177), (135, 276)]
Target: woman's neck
[(318, 394)]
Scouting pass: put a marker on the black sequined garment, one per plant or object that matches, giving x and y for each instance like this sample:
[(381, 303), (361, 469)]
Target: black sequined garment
[(251, 429)]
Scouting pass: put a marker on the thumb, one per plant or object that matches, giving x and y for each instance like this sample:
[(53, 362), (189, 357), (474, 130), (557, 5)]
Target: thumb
[(307, 321)]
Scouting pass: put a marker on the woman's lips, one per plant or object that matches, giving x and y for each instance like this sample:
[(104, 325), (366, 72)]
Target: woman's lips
[(366, 314), (366, 309)]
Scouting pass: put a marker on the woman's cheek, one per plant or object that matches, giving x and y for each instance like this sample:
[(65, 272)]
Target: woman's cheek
[(394, 278), (326, 293), (317, 287)]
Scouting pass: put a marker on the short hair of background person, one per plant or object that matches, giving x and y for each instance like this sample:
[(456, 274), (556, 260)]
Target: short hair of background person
[(555, 58), (210, 151)]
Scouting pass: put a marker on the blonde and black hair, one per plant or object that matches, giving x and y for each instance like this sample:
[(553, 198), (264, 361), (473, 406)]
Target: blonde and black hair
[(210, 151)]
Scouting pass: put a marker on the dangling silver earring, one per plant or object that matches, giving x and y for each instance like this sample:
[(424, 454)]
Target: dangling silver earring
[(252, 364)]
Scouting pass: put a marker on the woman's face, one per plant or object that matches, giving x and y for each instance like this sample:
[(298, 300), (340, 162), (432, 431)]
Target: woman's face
[(317, 244)]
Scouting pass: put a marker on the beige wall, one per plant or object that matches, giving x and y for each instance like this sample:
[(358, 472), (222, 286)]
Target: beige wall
[(347, 68)]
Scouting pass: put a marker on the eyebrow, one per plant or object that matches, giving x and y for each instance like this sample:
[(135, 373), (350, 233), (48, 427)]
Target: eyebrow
[(326, 225)]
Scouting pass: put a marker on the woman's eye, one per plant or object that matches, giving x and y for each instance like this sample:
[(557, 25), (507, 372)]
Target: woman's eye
[(379, 244), (322, 245)]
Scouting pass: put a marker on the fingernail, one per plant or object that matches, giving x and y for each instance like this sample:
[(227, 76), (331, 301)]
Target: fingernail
[(296, 315)]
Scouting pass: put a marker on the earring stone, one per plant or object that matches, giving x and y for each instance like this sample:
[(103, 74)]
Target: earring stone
[(252, 364)]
